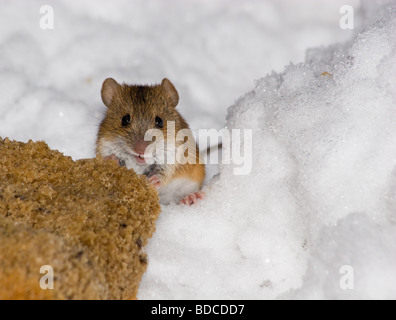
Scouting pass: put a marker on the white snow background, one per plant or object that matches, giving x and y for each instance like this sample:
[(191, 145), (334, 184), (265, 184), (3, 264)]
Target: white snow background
[(322, 192)]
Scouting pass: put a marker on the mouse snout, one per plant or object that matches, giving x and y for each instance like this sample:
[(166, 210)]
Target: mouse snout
[(140, 147)]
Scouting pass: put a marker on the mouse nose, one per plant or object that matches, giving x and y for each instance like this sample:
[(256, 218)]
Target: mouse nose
[(140, 147)]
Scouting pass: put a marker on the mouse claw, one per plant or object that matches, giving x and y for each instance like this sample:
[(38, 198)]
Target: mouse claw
[(193, 198), (155, 181), (112, 158)]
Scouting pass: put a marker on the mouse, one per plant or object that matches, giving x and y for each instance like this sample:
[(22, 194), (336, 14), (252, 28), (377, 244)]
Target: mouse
[(133, 111)]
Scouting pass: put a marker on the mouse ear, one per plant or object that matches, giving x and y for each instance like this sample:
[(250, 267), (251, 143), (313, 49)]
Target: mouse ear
[(109, 88), (170, 91)]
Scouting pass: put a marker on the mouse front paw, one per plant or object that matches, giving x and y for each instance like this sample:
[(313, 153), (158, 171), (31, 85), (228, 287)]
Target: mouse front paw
[(112, 158), (155, 181), (193, 198)]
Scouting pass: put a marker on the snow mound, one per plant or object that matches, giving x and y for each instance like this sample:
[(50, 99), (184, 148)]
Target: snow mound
[(321, 195), (356, 242)]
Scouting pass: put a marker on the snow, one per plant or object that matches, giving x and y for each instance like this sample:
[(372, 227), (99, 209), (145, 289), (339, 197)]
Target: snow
[(202, 47), (356, 241), (321, 196)]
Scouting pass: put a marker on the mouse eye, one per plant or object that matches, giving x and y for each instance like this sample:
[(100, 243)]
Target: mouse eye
[(126, 120), (159, 123)]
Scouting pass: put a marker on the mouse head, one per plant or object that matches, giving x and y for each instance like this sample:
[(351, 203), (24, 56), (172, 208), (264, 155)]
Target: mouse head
[(132, 110)]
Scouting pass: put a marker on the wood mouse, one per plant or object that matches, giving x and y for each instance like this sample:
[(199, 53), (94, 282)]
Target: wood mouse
[(132, 110)]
